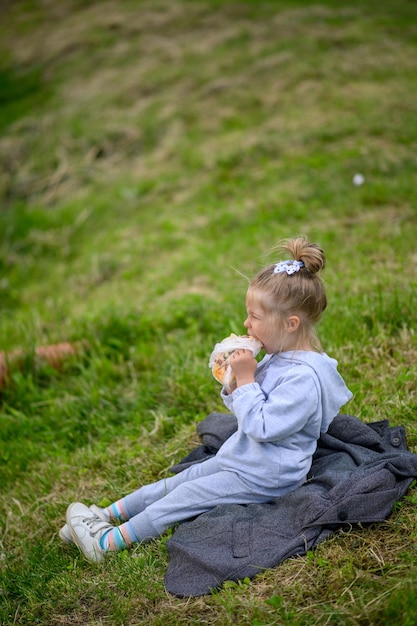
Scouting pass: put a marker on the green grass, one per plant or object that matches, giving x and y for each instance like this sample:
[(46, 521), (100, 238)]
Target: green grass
[(151, 155)]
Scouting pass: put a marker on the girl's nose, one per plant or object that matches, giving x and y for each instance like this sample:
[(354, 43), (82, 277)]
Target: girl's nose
[(246, 323)]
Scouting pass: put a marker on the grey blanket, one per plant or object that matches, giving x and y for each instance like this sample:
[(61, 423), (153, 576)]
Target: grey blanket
[(359, 472)]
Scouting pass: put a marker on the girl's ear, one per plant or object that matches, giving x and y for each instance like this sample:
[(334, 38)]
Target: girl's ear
[(293, 323)]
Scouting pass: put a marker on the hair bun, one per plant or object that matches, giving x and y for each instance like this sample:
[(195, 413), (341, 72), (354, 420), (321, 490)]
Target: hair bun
[(309, 253)]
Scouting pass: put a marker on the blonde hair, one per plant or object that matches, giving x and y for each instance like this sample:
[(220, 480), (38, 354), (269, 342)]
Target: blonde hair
[(301, 293)]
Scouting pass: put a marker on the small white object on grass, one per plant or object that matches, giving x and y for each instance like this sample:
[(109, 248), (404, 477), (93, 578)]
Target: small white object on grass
[(358, 180)]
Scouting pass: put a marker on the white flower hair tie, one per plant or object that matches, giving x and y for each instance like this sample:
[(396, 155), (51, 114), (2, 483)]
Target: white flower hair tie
[(290, 267)]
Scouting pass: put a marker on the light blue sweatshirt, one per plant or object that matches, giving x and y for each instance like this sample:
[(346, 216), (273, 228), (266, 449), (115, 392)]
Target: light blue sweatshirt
[(280, 416)]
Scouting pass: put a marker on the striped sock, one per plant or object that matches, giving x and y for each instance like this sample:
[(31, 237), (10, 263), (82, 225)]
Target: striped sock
[(118, 538), (117, 512)]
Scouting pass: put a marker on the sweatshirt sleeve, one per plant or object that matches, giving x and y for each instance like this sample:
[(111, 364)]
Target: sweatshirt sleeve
[(284, 412)]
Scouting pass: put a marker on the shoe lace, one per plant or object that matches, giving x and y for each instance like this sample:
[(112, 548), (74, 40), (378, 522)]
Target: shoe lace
[(95, 524)]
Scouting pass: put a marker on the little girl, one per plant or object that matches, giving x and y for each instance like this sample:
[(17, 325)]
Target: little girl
[(281, 405)]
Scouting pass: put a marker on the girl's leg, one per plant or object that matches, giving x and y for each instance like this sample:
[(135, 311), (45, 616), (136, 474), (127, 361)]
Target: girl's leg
[(137, 501), (191, 498), (186, 500)]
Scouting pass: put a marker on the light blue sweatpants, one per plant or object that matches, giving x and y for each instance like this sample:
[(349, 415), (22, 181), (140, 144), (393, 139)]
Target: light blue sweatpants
[(158, 506)]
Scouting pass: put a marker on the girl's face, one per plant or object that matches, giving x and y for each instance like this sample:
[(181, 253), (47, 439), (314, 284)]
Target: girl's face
[(264, 326)]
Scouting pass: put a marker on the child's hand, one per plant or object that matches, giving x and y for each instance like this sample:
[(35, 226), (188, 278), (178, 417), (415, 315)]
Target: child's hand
[(243, 366)]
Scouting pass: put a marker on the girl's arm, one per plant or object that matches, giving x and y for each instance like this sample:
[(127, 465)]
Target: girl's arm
[(286, 409)]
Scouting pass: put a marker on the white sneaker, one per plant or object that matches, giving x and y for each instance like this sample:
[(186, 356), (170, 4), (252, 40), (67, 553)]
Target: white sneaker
[(86, 529), (65, 534)]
